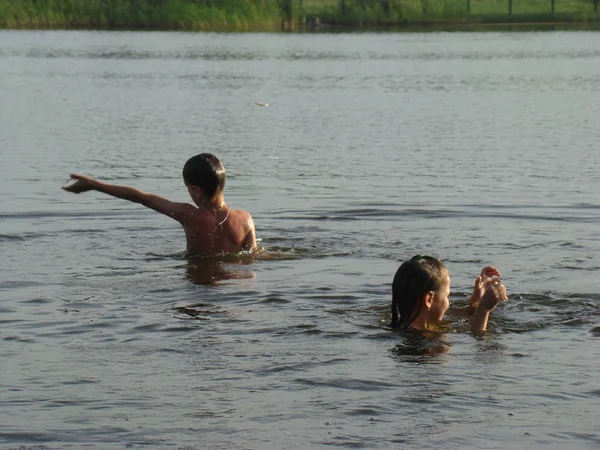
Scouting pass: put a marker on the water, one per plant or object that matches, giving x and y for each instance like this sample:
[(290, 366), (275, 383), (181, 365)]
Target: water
[(477, 147)]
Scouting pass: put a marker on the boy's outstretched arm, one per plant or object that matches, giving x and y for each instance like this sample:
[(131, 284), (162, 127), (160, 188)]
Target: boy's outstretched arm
[(152, 201)]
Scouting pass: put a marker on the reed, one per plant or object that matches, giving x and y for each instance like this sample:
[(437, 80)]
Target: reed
[(261, 15), (141, 14)]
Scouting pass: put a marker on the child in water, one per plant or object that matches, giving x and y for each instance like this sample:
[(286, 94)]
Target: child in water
[(420, 294), (210, 227)]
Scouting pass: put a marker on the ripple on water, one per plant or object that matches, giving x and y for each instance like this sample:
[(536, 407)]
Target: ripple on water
[(37, 301), (274, 298), (19, 284), (22, 339), (352, 384), (300, 366), (200, 311), (595, 331), (31, 437), (526, 312)]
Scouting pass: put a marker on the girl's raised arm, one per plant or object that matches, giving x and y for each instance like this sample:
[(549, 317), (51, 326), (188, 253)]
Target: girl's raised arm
[(494, 294)]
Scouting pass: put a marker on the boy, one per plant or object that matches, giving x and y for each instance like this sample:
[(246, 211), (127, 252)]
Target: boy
[(211, 227)]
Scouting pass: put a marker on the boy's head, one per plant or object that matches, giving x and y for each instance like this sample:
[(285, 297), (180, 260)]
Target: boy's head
[(413, 280), (206, 172)]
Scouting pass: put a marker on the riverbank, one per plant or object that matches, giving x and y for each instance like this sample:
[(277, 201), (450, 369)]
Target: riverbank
[(232, 15), (275, 15)]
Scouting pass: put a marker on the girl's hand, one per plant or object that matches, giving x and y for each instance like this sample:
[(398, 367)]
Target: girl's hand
[(83, 184), (494, 294), (482, 283)]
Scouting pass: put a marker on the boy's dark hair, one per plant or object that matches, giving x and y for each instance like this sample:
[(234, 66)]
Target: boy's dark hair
[(206, 172), (412, 281)]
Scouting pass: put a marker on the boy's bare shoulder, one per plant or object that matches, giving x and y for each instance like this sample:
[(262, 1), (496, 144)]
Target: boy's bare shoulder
[(241, 216), (244, 224), (187, 211), (194, 216)]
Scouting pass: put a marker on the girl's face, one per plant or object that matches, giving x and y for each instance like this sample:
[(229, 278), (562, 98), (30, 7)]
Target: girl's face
[(440, 302)]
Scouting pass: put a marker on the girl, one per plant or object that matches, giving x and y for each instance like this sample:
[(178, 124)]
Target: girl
[(420, 294)]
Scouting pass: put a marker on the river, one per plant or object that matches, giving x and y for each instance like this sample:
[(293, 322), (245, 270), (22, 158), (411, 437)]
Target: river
[(479, 148)]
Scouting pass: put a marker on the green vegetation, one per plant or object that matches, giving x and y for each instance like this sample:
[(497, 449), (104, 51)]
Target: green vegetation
[(141, 14), (391, 12), (246, 15)]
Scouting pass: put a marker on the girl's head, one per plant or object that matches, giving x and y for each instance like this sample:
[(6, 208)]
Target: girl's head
[(420, 290)]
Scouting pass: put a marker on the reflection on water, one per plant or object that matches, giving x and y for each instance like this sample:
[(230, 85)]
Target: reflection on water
[(213, 271), (422, 347), (490, 350)]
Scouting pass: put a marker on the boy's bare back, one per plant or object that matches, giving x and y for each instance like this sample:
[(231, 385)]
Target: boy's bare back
[(226, 231)]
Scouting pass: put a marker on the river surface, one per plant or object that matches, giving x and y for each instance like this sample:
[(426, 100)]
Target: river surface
[(479, 148)]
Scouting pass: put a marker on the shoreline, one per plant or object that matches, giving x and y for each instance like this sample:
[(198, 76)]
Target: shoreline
[(290, 16), (437, 25)]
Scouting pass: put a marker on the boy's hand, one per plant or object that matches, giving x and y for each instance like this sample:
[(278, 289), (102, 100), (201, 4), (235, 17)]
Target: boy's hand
[(83, 184), (482, 283)]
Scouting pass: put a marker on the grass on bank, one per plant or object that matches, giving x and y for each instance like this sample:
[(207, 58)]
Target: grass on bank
[(246, 15), (141, 14)]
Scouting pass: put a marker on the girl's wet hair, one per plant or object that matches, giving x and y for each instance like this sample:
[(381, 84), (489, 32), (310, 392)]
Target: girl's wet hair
[(414, 278)]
